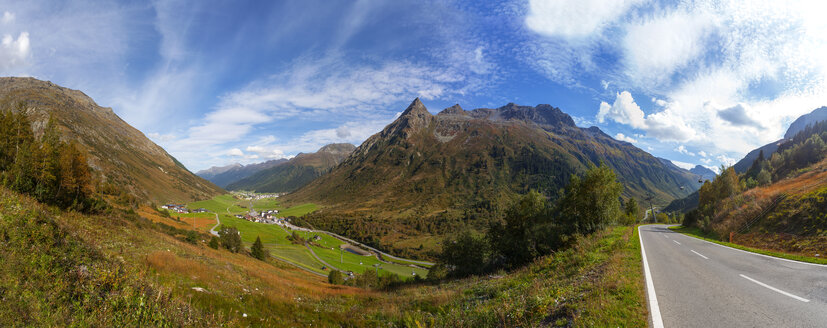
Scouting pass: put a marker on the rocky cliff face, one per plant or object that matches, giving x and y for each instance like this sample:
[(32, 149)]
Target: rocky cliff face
[(118, 153)]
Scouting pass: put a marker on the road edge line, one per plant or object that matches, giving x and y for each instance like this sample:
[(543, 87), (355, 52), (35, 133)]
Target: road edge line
[(790, 295), (654, 309), (753, 253)]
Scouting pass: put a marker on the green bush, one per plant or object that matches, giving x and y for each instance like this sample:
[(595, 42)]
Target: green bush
[(335, 277)]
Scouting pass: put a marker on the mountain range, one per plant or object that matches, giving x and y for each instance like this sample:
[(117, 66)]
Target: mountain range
[(817, 115), (289, 175), (425, 167), (225, 175), (118, 154)]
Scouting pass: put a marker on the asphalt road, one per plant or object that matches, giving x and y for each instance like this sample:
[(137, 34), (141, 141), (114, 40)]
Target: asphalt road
[(701, 284)]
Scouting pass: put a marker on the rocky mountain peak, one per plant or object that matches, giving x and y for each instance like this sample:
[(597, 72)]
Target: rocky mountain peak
[(453, 110), (338, 148), (415, 117)]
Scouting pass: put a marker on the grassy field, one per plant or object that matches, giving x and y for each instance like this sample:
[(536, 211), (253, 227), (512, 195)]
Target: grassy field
[(275, 239), (698, 233)]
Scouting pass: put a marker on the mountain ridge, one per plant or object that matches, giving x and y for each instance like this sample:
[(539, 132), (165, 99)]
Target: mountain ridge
[(118, 153), (292, 174)]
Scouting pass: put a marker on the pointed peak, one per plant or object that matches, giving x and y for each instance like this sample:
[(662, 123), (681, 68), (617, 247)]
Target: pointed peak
[(415, 108)]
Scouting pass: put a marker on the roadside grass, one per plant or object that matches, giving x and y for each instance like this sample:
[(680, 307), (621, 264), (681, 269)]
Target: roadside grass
[(712, 237), (596, 283)]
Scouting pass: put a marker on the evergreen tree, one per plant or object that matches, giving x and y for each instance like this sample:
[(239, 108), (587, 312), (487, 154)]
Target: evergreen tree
[(214, 242), (258, 250)]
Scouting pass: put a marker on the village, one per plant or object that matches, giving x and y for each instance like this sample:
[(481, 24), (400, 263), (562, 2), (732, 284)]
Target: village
[(182, 209)]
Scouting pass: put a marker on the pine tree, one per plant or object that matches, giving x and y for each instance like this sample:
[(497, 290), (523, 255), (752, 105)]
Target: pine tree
[(258, 250)]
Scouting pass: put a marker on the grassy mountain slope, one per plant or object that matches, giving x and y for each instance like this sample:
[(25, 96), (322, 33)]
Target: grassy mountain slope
[(67, 269), (436, 172), (224, 176), (119, 154), (295, 173), (786, 211)]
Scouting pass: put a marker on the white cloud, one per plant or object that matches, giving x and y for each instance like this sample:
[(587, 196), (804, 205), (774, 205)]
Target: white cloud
[(624, 110), (663, 125), (703, 154), (235, 152), (622, 137), (683, 165), (572, 19), (682, 149), (7, 18), (14, 51), (655, 48)]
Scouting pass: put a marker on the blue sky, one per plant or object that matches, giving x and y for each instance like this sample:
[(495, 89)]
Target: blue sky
[(218, 82)]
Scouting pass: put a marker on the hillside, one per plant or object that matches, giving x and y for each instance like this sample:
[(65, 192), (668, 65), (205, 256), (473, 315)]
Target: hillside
[(225, 175), (778, 203), (120, 155), (437, 172), (296, 172)]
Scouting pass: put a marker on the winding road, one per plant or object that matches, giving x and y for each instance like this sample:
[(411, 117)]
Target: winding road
[(696, 283)]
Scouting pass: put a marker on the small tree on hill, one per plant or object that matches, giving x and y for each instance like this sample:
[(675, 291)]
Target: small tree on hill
[(335, 277), (258, 250), (214, 242), (230, 238)]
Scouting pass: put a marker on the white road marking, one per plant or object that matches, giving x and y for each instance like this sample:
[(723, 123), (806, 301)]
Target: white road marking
[(775, 289), (758, 254), (665, 236), (676, 242), (657, 321), (699, 254)]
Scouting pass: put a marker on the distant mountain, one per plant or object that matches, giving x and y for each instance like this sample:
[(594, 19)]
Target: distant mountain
[(703, 172), (744, 164), (225, 175), (817, 115), (290, 175), (437, 168), (216, 170), (119, 154)]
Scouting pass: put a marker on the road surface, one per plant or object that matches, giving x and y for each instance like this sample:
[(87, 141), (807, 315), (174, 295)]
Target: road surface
[(695, 283)]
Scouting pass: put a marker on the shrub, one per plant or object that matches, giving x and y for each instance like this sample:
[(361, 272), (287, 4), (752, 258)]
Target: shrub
[(230, 238), (214, 242), (335, 277)]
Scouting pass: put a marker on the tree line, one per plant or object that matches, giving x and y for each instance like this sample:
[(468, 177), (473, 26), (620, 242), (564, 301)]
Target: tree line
[(46, 168), (534, 226)]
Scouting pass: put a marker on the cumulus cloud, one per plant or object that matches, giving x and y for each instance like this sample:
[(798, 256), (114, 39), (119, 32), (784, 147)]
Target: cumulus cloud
[(14, 51), (622, 137), (574, 18), (235, 152), (624, 110), (682, 149), (664, 125)]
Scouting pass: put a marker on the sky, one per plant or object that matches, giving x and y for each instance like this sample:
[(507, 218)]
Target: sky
[(221, 82)]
